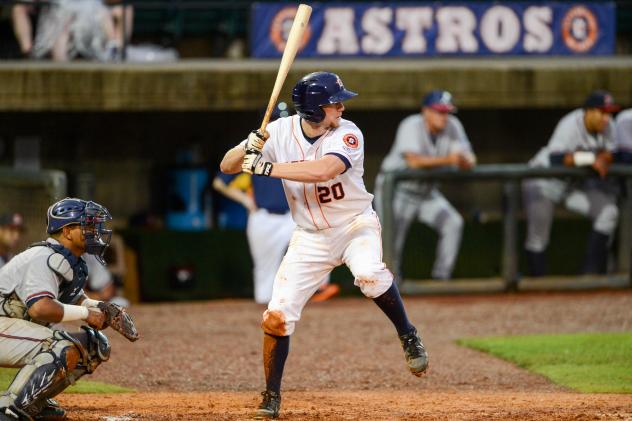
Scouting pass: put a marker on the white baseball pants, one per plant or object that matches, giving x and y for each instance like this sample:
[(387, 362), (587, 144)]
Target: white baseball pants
[(313, 254)]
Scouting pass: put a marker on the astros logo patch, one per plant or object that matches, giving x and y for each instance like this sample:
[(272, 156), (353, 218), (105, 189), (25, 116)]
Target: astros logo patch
[(351, 141), (280, 29), (580, 29)]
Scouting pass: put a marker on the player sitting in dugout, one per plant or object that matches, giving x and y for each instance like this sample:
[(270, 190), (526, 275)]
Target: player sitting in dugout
[(582, 138), (432, 138)]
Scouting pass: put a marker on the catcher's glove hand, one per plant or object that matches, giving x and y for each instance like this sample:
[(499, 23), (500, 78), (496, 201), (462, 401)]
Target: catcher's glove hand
[(118, 319)]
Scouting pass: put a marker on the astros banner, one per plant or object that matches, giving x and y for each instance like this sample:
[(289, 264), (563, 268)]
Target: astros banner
[(438, 29)]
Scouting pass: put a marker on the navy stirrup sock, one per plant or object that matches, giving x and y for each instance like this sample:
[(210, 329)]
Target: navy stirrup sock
[(391, 304), (275, 350)]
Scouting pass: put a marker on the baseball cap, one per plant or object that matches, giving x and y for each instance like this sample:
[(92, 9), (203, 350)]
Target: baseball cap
[(439, 101), (602, 100), (12, 219)]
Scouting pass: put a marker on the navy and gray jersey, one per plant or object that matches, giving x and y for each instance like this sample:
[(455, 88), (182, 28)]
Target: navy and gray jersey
[(570, 135), (28, 277), (623, 137), (269, 194), (413, 137)]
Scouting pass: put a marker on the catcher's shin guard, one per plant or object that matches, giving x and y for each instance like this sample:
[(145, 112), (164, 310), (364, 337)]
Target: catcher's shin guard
[(43, 377), (49, 373), (95, 350)]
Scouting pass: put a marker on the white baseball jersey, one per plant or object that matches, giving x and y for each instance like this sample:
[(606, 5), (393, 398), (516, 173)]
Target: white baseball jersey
[(330, 204), (571, 135)]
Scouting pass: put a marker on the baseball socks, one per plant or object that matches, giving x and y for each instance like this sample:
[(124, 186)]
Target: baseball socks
[(414, 351), (275, 350), (391, 304)]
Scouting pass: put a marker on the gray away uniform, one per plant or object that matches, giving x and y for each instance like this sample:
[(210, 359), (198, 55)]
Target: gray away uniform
[(623, 137), (38, 349), (414, 199), (593, 197)]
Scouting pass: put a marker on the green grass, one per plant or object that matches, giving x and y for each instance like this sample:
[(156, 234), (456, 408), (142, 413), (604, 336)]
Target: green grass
[(591, 363), (82, 386)]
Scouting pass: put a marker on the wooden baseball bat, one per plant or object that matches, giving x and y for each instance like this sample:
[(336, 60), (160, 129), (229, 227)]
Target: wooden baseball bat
[(289, 53)]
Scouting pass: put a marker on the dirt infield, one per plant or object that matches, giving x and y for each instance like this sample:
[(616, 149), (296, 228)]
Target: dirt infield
[(201, 361)]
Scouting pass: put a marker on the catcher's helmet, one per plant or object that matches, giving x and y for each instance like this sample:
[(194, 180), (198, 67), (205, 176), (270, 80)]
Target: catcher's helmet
[(316, 89), (90, 215)]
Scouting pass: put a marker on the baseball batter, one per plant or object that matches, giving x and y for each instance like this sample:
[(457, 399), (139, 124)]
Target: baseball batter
[(319, 156), (623, 137), (429, 139), (44, 285), (584, 137)]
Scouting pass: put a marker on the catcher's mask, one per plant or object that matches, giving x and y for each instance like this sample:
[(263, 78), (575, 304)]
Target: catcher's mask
[(90, 216)]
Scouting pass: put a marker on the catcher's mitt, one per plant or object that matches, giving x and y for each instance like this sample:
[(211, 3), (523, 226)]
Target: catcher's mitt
[(118, 319)]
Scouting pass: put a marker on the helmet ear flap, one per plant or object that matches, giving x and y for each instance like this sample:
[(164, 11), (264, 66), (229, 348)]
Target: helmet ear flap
[(305, 100)]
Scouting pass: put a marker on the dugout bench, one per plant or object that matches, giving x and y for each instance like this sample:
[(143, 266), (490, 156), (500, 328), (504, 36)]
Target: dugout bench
[(510, 176)]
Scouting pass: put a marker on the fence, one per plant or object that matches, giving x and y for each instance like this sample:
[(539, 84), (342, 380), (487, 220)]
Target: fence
[(510, 175), (31, 193)]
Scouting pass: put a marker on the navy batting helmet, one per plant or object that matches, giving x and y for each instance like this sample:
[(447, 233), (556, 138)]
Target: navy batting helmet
[(89, 215), (317, 89)]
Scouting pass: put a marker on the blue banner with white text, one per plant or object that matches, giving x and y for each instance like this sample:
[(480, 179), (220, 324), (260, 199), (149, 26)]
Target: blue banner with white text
[(438, 29)]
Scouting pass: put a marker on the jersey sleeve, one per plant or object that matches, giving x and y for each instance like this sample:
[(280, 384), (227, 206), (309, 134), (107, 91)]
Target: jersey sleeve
[(226, 178), (461, 143), (407, 137), (565, 137), (39, 282), (269, 149), (609, 137), (623, 133), (348, 145)]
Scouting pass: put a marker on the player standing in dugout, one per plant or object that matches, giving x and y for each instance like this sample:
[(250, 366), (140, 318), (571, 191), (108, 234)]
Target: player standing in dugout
[(320, 158)]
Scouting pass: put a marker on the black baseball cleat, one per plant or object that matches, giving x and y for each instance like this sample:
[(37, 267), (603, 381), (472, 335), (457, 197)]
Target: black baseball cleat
[(415, 353), (51, 412), (13, 414), (270, 405)]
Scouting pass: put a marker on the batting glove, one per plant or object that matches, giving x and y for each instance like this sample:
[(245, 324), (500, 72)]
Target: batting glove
[(256, 140), (254, 165)]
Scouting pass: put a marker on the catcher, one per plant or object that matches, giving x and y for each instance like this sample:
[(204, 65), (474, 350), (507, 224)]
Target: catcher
[(44, 285)]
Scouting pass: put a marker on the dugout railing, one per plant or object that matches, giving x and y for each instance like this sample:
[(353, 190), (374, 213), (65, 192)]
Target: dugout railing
[(510, 177)]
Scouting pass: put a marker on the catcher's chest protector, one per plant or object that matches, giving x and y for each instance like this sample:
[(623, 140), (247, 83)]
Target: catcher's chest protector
[(72, 271)]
